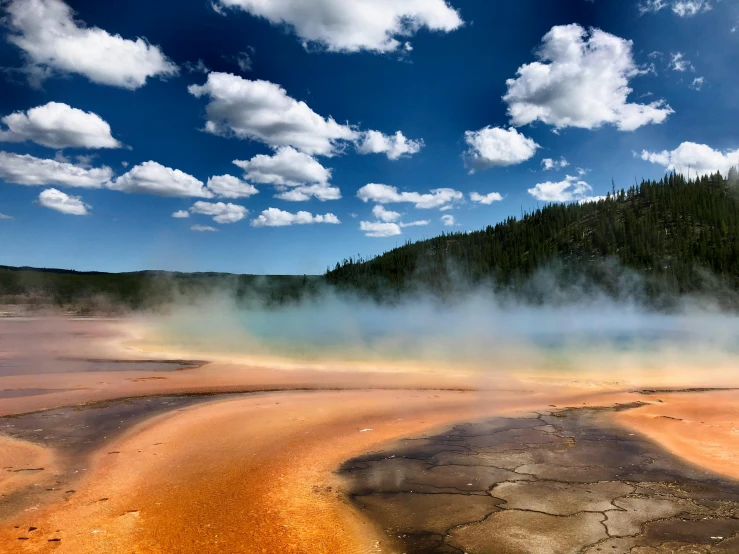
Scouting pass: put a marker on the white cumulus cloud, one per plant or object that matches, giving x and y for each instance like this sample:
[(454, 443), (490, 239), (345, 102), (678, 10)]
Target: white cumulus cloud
[(297, 176), (379, 229), (58, 125), (181, 214), (57, 200), (497, 147), (260, 110), (388, 223), (385, 215), (699, 159), (679, 63), (351, 26), (448, 220), (306, 192), (286, 167), (547, 164), (220, 211), (273, 217), (153, 178), (568, 190), (52, 40), (386, 194), (29, 170), (486, 199), (581, 80), (393, 146), (228, 186)]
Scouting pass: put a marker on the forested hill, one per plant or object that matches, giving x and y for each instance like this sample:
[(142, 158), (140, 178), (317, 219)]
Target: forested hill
[(97, 292), (681, 236)]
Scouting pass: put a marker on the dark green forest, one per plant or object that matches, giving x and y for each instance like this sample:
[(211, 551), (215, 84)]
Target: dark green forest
[(653, 243), (94, 292), (660, 240)]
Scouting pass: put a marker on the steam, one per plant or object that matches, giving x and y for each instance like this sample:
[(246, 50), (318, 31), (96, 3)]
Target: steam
[(590, 337)]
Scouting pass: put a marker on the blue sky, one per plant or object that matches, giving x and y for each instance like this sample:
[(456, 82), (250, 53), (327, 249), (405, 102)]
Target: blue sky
[(116, 115)]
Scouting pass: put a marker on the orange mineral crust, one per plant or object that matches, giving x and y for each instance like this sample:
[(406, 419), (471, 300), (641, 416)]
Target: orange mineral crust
[(249, 475), (701, 427)]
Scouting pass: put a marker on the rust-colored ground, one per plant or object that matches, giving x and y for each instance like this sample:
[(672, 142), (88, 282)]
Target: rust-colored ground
[(247, 475), (702, 428), (256, 473)]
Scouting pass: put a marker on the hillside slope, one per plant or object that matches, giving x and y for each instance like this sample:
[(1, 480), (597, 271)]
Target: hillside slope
[(681, 236), (95, 292)]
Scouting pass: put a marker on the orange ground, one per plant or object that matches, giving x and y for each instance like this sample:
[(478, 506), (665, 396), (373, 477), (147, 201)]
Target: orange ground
[(243, 475), (702, 428), (251, 474)]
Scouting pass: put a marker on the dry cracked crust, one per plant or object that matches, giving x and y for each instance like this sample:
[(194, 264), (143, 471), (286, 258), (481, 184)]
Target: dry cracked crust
[(561, 482)]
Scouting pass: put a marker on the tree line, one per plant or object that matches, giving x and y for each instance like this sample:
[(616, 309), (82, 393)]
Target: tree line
[(681, 236)]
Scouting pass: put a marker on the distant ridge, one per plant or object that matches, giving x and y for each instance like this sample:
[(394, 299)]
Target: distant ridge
[(680, 236)]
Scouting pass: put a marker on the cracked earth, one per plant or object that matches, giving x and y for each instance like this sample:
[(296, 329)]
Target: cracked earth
[(560, 482)]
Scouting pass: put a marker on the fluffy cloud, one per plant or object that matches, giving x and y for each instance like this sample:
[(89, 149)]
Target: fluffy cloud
[(272, 217), (497, 147), (260, 110), (568, 190), (52, 40), (388, 223), (581, 80), (228, 186), (286, 167), (153, 178), (448, 220), (341, 26), (204, 229), (220, 211), (181, 214), (393, 146), (548, 164), (379, 229), (290, 168), (385, 194), (679, 63), (305, 193), (699, 159), (58, 125), (29, 170), (385, 215), (486, 199), (56, 200)]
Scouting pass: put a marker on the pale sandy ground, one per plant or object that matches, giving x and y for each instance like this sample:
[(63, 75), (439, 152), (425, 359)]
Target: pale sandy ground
[(253, 474)]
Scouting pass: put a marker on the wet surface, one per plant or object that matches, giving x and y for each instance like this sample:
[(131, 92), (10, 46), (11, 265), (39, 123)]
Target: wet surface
[(20, 393), (569, 481), (74, 433), (79, 430), (25, 366)]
